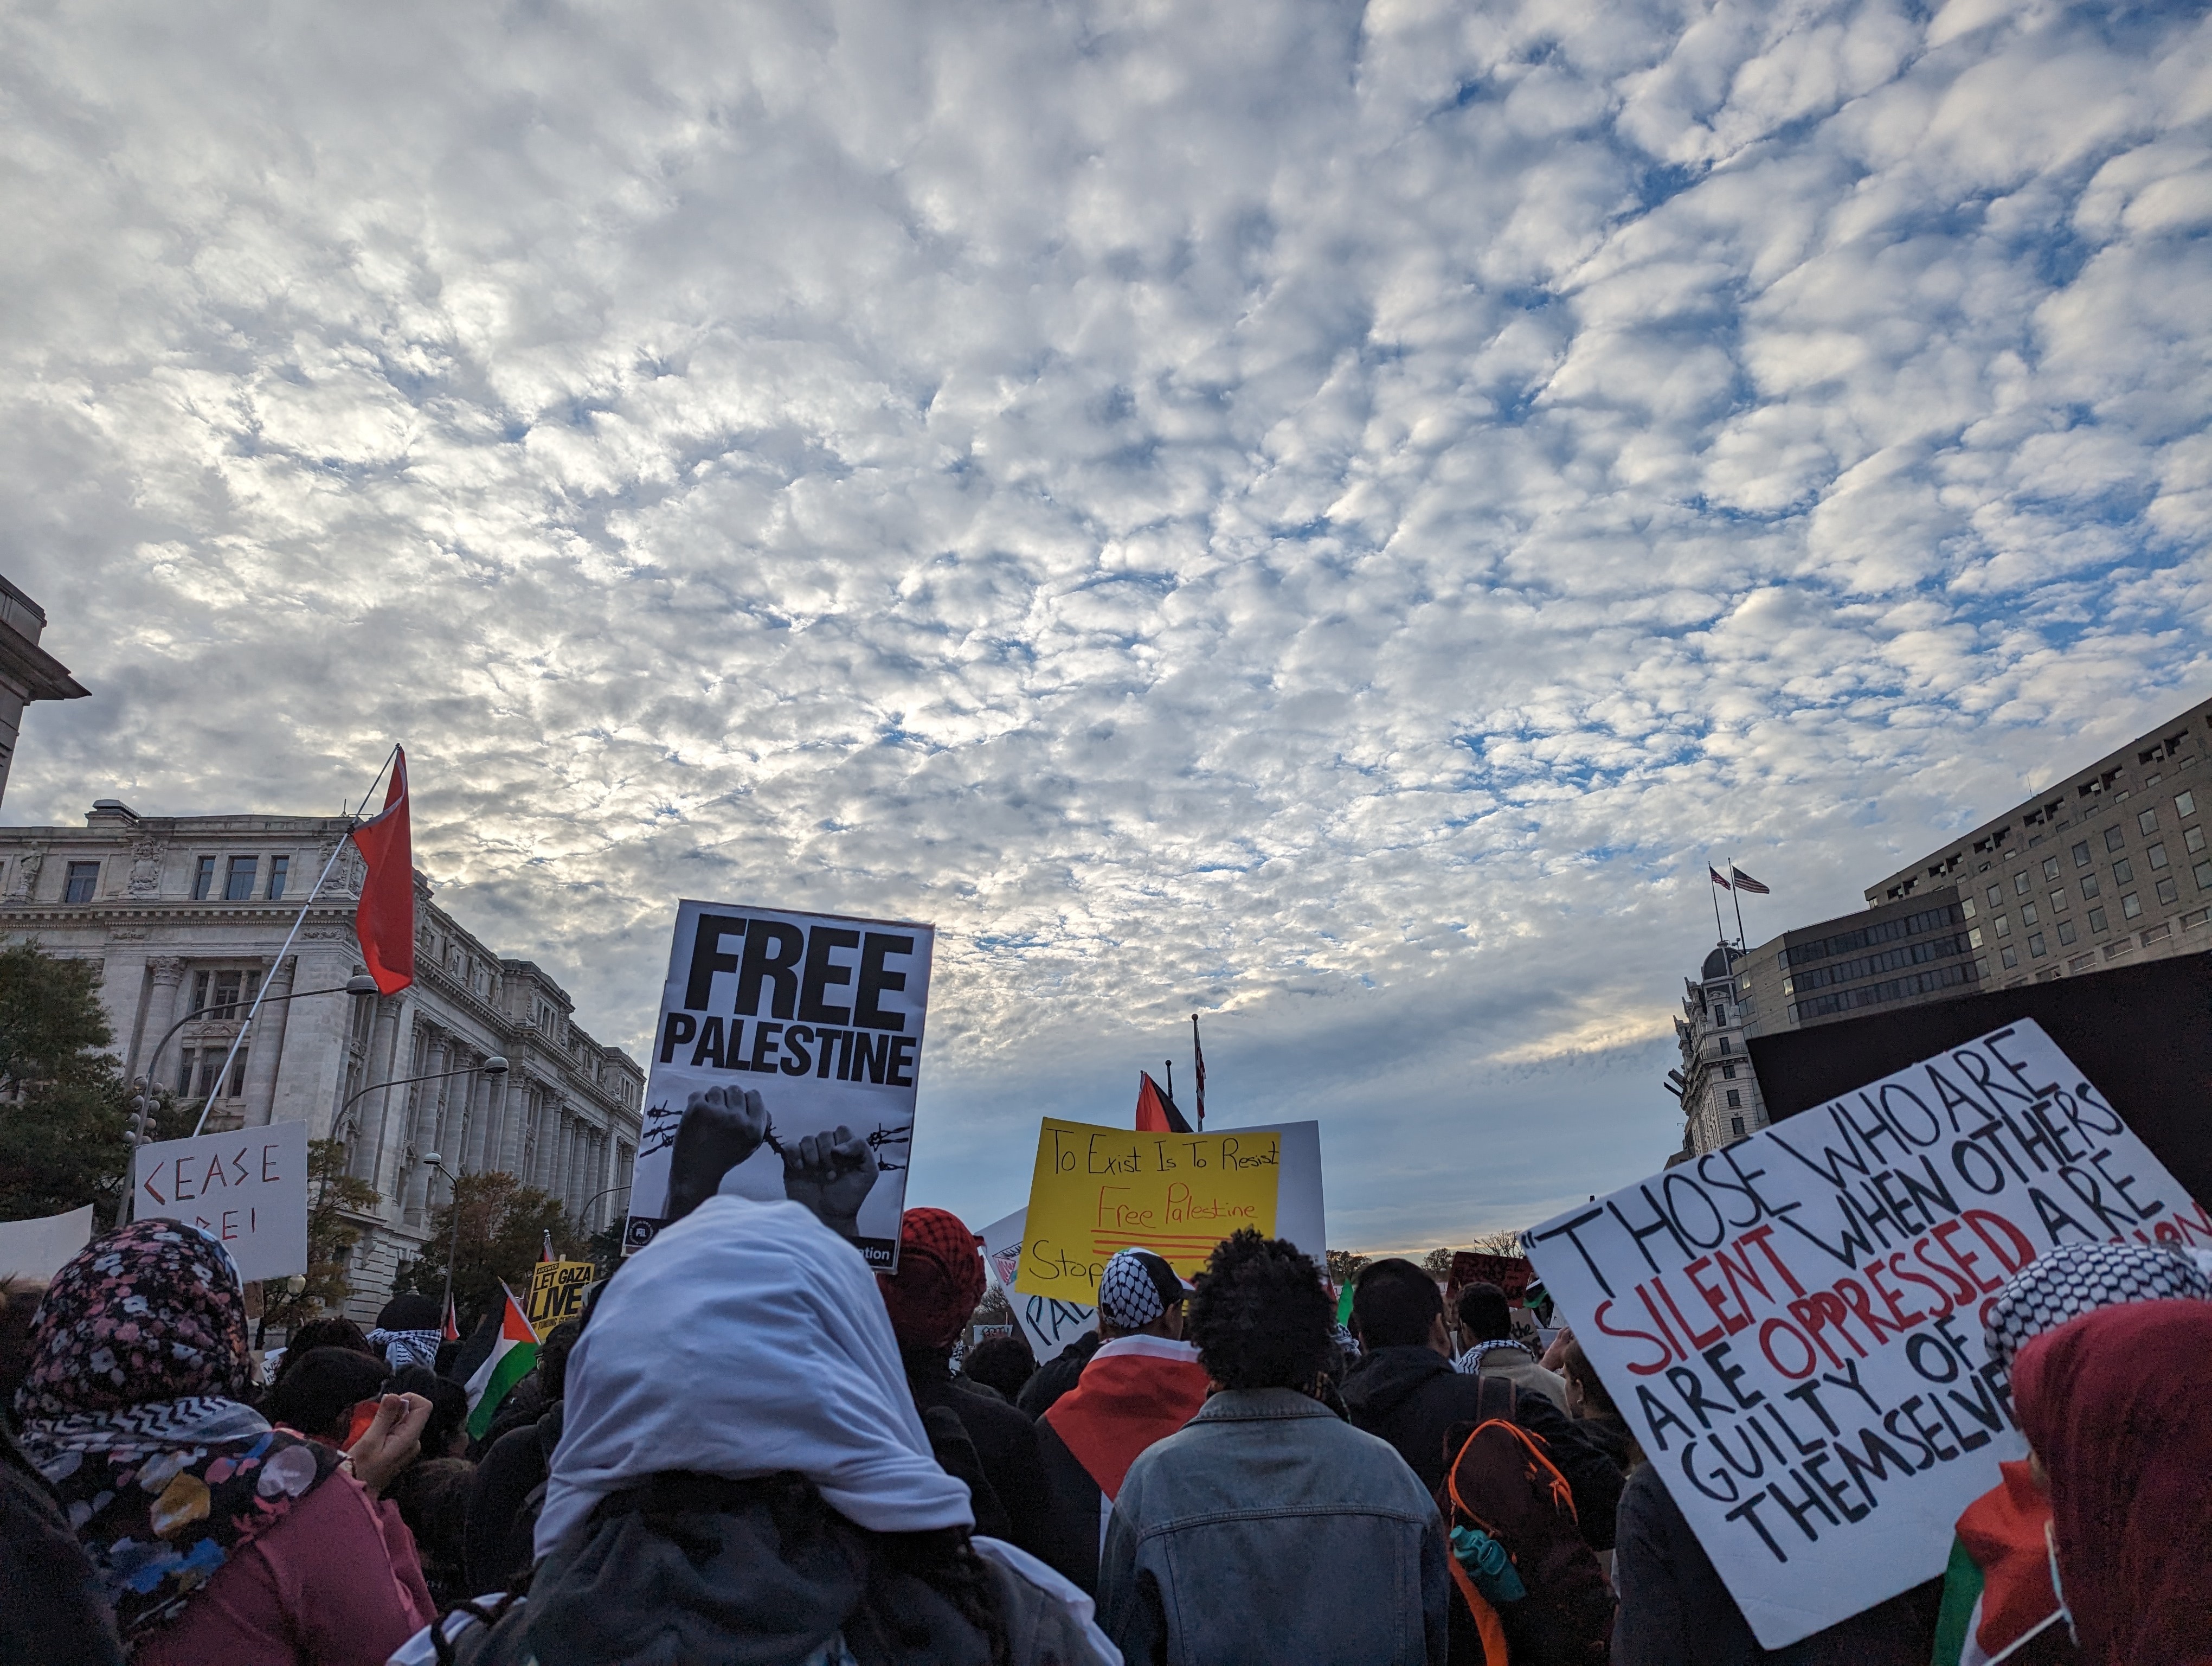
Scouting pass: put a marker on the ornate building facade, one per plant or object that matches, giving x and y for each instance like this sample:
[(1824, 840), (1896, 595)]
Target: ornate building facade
[(186, 915)]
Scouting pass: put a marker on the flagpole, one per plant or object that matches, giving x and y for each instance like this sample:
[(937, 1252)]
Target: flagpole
[(239, 1040), (1736, 897)]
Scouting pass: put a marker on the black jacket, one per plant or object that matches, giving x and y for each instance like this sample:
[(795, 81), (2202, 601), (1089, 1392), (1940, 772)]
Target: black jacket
[(1675, 1612), (1413, 1398), (498, 1547), (50, 1608), (1006, 1445), (1056, 1376)]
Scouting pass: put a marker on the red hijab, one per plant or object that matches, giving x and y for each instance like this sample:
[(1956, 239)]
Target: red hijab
[(2114, 1403)]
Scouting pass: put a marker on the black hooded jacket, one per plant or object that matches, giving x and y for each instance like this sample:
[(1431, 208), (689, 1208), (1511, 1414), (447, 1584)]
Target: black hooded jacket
[(1413, 1398)]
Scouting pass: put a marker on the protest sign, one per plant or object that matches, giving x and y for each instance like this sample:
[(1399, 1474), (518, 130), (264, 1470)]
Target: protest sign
[(784, 1065), (38, 1247), (557, 1289), (246, 1189), (1049, 1323), (1792, 1325), (1095, 1191), (1510, 1274)]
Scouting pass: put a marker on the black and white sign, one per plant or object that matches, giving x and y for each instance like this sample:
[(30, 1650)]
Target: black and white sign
[(784, 1065), (1792, 1325)]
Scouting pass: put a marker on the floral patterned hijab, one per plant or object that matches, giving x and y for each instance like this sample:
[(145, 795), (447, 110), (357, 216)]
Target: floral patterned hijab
[(138, 1353)]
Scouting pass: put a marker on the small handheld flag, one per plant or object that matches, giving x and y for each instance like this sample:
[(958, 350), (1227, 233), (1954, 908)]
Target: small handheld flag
[(451, 1331), (512, 1358), (546, 1254)]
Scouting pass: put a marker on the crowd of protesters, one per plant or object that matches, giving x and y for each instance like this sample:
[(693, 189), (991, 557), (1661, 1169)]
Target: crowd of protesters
[(751, 1449)]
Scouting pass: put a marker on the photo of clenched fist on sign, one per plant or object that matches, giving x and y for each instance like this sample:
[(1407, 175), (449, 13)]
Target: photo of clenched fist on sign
[(831, 1173)]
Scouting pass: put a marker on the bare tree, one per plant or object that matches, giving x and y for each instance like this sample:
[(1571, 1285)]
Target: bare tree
[(1503, 1242), (1438, 1262)]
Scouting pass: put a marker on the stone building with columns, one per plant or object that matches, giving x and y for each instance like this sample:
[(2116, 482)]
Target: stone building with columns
[(186, 915)]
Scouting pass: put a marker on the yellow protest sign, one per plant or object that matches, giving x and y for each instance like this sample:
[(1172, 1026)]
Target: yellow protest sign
[(1095, 1190), (557, 1289)]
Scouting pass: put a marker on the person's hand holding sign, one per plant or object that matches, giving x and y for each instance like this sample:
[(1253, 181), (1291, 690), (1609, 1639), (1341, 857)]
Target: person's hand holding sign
[(722, 1128), (831, 1174)]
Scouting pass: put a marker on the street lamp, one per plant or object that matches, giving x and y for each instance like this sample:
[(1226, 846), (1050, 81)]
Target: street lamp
[(141, 1105), (495, 1066), (584, 1214)]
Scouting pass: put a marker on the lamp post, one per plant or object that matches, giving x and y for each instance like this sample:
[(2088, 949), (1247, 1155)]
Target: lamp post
[(495, 1066), (142, 1103)]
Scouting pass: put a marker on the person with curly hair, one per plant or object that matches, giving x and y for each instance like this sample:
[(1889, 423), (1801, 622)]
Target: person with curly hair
[(1269, 1493)]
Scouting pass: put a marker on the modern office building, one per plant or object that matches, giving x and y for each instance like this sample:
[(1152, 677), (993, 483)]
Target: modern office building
[(28, 672), (186, 915), (2109, 865)]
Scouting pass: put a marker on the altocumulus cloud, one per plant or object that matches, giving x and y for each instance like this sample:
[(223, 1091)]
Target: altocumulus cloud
[(1322, 516)]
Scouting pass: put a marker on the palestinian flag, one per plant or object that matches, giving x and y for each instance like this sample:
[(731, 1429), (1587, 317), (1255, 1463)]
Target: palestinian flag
[(512, 1358), (1998, 1603)]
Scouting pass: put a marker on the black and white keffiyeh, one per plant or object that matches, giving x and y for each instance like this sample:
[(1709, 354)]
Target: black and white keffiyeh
[(2077, 1279)]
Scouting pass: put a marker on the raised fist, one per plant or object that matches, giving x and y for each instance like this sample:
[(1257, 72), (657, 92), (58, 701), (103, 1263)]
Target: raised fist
[(720, 1129), (831, 1174)]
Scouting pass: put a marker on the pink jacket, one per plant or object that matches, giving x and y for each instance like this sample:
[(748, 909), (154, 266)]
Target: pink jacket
[(335, 1584)]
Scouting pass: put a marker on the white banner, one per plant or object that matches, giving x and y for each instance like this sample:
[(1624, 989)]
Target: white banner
[(1048, 1324), (1792, 1325), (39, 1248), (247, 1190), (784, 1065)]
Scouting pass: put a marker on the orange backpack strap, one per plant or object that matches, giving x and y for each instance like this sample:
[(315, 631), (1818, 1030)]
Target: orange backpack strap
[(1487, 1625)]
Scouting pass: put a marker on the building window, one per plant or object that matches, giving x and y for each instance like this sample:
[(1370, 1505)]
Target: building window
[(2021, 882), (2156, 856), (196, 1072), (2081, 854), (238, 883), (2185, 804), (2066, 933), (2148, 821), (1974, 938), (2097, 921), (1720, 1015), (1735, 1126), (1967, 907), (2050, 868), (1996, 897), (1728, 1072), (2004, 925), (83, 879), (218, 994), (2035, 946), (2122, 872), (2131, 906), (2168, 892), (2193, 837), (2059, 902), (2009, 956), (2203, 873), (2027, 914), (203, 879), (2089, 885), (2114, 838), (280, 869), (1724, 1047), (1735, 1099)]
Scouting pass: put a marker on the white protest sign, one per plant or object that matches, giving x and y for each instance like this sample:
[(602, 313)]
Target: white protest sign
[(1792, 1325), (819, 1016), (39, 1248), (1049, 1324), (247, 1190)]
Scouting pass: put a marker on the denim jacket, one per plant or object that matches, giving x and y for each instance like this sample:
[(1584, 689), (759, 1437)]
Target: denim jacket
[(1267, 1530)]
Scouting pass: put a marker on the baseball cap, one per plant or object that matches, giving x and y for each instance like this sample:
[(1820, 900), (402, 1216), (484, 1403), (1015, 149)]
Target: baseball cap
[(1137, 1287)]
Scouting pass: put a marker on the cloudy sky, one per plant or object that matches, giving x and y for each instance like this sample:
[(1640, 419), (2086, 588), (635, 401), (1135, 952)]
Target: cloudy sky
[(1327, 518)]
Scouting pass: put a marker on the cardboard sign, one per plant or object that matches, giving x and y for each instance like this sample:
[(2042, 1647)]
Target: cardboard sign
[(1095, 1191), (39, 1248), (1048, 1323), (1510, 1274), (557, 1289), (1792, 1325), (247, 1190), (817, 1016)]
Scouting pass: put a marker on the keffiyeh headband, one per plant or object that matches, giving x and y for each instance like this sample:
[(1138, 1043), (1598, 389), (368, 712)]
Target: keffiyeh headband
[(2077, 1279)]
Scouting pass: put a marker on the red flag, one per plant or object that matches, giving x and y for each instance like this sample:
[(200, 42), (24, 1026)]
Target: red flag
[(453, 1324), (547, 1253), (385, 922), (1156, 1112)]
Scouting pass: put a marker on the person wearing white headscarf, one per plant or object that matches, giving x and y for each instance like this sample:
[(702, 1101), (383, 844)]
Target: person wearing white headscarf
[(742, 1476)]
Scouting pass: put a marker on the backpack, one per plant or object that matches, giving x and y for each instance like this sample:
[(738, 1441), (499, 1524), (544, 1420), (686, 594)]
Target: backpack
[(1503, 1482)]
